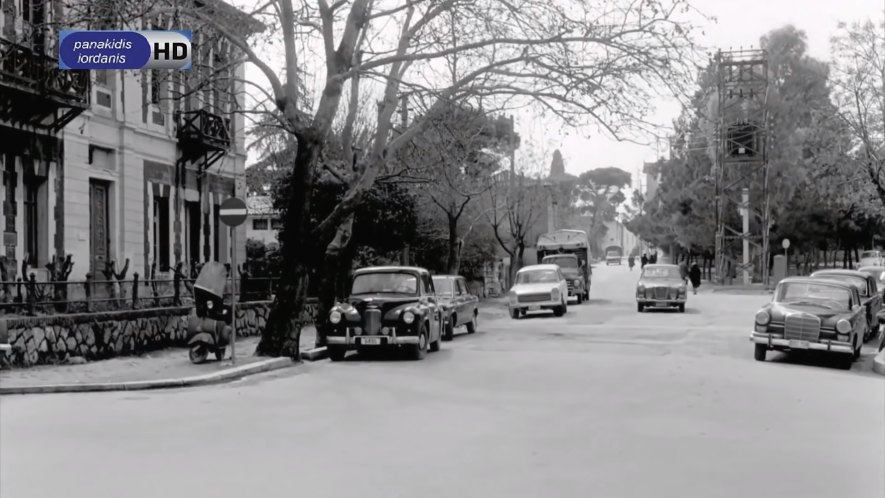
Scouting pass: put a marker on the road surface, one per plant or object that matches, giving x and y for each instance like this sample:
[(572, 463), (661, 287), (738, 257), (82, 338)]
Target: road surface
[(603, 402)]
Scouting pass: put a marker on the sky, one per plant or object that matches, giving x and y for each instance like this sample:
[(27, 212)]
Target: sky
[(739, 23)]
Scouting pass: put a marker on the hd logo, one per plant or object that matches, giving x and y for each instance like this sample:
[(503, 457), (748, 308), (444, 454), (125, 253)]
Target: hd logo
[(81, 49)]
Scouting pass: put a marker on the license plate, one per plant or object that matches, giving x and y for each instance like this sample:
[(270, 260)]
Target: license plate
[(799, 344), (370, 341), (534, 308), (661, 305)]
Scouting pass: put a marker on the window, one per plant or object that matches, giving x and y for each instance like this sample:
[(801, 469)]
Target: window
[(101, 77), (161, 232), (260, 224), (101, 157), (385, 283), (276, 224), (155, 86), (33, 223)]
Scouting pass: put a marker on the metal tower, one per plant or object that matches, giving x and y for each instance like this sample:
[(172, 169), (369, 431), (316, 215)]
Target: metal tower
[(742, 193)]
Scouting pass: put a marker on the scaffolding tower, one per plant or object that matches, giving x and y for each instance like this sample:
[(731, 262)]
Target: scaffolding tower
[(742, 176)]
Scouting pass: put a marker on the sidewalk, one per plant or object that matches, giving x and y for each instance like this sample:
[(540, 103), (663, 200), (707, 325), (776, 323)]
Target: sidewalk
[(157, 365), (736, 289)]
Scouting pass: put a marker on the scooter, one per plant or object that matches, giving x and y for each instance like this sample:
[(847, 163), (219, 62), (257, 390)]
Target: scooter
[(209, 325)]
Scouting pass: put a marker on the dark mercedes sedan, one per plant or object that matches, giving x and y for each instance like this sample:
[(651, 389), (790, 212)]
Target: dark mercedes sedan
[(661, 286)]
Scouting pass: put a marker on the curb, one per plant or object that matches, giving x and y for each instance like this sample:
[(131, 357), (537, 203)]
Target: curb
[(227, 375), (879, 363), (315, 354)]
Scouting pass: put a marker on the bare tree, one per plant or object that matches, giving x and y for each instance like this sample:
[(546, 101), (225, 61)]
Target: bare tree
[(858, 72)]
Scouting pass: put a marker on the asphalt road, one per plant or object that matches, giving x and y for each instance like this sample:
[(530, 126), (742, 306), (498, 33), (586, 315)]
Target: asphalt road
[(604, 402)]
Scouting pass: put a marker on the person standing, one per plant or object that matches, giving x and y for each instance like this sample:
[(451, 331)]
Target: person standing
[(694, 274), (631, 260), (644, 260)]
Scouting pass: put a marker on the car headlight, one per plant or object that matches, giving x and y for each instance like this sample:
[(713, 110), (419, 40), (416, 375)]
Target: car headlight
[(555, 294), (512, 296), (843, 326), (210, 305), (763, 317), (577, 282), (640, 287), (408, 317), (335, 317)]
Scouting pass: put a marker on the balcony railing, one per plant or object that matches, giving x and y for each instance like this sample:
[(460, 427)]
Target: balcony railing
[(22, 67), (201, 132)]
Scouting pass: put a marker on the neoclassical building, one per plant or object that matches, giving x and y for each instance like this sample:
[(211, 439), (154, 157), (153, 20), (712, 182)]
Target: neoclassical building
[(115, 165)]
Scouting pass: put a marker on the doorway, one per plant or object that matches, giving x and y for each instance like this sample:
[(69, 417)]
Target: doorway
[(99, 227)]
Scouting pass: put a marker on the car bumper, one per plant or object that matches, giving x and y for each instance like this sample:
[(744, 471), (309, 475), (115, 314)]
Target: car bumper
[(778, 342), (535, 306), (385, 340), (662, 302)]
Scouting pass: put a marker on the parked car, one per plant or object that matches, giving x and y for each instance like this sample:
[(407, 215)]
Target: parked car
[(816, 314), (872, 258), (866, 287), (460, 307), (389, 306), (661, 286), (539, 287)]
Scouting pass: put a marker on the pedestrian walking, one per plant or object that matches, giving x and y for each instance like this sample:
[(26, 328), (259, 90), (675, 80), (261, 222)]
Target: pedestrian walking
[(694, 274), (683, 271), (631, 260), (644, 260)]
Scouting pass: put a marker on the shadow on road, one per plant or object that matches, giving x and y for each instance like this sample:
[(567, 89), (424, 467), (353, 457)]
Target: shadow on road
[(394, 354)]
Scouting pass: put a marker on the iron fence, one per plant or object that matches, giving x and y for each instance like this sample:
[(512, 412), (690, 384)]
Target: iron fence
[(31, 297)]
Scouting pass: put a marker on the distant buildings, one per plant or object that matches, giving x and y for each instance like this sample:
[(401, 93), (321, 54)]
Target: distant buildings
[(263, 223)]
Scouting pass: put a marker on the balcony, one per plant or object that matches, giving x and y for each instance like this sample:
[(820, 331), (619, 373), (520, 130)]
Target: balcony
[(202, 134), (35, 92)]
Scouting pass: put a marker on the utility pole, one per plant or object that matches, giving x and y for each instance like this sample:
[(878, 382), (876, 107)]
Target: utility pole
[(404, 112)]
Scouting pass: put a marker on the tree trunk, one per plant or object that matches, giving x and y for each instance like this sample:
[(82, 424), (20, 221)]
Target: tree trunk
[(327, 289), (282, 335), (453, 260)]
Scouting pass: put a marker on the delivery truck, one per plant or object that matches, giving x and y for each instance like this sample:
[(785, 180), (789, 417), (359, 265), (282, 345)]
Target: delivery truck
[(570, 249)]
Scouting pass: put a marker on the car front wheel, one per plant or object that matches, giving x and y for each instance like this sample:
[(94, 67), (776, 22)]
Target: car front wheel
[(419, 351), (639, 307), (336, 353), (760, 351), (514, 313), (449, 332), (473, 324)]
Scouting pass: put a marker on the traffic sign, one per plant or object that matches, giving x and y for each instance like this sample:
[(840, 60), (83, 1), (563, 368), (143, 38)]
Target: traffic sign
[(233, 212), (786, 244)]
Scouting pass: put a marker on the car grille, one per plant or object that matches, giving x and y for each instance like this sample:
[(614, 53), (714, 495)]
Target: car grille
[(534, 298), (372, 321), (657, 293), (571, 286), (802, 327)]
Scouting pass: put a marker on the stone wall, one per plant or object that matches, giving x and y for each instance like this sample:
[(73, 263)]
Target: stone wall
[(52, 339)]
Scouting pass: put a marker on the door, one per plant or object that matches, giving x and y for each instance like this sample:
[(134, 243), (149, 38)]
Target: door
[(462, 303), (435, 332), (99, 227), (193, 233)]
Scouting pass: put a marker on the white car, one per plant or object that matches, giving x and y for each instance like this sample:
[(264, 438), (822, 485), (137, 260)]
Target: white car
[(872, 258), (539, 287)]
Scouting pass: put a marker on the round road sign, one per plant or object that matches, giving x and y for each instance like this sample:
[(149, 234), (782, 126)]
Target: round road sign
[(786, 243), (233, 212)]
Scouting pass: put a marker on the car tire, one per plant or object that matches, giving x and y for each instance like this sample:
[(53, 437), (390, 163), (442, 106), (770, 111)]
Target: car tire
[(473, 324), (760, 351), (219, 353), (449, 332), (640, 308), (435, 345), (580, 298), (514, 313), (336, 353), (682, 308), (559, 310), (857, 350), (419, 351)]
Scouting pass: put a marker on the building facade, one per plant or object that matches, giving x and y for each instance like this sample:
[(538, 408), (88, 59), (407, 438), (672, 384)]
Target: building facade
[(263, 222), (114, 165)]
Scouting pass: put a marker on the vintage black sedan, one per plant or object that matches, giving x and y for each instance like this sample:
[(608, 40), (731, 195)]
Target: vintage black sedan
[(866, 287), (661, 286), (811, 314), (389, 306), (460, 307)]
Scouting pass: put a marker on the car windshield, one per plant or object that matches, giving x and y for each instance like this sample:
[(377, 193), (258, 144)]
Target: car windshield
[(826, 296), (874, 271), (562, 262), (660, 272), (385, 283), (536, 277), (860, 283), (443, 286), (869, 254)]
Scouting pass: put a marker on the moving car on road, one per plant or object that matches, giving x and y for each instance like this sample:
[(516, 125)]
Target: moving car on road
[(572, 269), (613, 258), (460, 307), (539, 287), (872, 258), (389, 306), (877, 272), (866, 287), (811, 314), (661, 286)]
